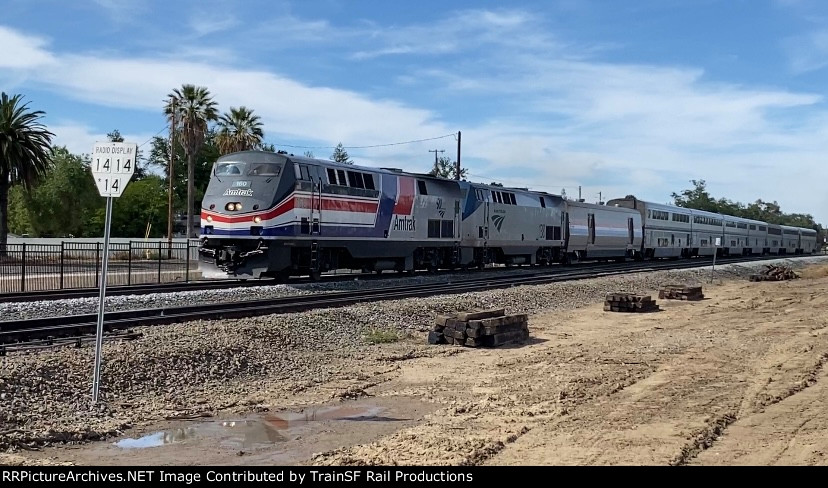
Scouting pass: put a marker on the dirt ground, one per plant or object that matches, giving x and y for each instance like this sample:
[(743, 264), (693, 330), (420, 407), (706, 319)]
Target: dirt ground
[(736, 378)]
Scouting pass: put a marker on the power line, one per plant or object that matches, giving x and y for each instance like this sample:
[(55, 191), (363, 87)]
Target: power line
[(153, 137), (367, 147)]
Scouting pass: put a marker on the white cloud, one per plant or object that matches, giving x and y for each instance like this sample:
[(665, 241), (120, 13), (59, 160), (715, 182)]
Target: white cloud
[(808, 52), (545, 118), (79, 138), (458, 31), (23, 51), (204, 24)]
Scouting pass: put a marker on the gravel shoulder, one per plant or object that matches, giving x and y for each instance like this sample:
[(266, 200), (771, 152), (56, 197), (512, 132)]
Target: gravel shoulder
[(664, 386), (77, 306)]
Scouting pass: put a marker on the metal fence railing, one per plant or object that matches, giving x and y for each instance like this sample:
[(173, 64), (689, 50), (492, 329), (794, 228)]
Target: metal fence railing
[(34, 267)]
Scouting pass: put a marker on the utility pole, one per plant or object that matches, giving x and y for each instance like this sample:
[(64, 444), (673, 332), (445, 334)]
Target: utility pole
[(170, 176), (457, 169), (599, 198), (435, 151), (579, 193)]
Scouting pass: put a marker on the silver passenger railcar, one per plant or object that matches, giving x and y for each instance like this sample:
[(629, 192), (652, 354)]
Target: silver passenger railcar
[(602, 232)]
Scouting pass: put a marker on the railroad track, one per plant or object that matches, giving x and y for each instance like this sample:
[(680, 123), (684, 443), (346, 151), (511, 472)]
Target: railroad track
[(54, 328), (211, 284)]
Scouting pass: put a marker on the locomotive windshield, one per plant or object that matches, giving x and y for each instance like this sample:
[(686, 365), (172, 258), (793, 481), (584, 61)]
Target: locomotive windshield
[(228, 169), (265, 169)]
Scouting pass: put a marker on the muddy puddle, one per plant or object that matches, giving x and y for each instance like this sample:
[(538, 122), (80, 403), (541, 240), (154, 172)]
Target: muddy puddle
[(276, 437)]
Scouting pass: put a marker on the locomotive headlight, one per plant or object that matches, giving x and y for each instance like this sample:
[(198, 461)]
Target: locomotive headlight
[(257, 219), (230, 206), (209, 218), (238, 206)]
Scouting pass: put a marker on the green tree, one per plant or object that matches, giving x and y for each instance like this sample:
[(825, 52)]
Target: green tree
[(309, 154), (195, 108), (494, 183), (446, 168), (340, 155), (66, 201), (143, 202), (698, 198), (19, 221), (159, 157), (140, 164), (239, 130), (115, 136), (24, 152)]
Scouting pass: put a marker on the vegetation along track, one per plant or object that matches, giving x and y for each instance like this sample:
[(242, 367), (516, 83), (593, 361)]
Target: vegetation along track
[(36, 330)]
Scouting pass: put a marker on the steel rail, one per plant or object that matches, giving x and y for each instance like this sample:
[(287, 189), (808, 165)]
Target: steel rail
[(73, 325)]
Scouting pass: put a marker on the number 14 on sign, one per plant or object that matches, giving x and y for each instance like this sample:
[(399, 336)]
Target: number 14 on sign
[(113, 165)]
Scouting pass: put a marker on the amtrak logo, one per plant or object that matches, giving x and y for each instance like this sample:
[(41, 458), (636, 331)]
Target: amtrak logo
[(238, 192), (440, 209), (498, 221)]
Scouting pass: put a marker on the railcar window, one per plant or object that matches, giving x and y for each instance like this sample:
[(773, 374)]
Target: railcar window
[(762, 228), (661, 215), (341, 175), (542, 202), (369, 181), (681, 218), (730, 224), (512, 198), (265, 169), (741, 226), (355, 179), (224, 169), (422, 187), (305, 173), (752, 227), (332, 176)]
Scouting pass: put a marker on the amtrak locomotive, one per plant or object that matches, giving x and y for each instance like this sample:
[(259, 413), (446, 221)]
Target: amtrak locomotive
[(276, 215)]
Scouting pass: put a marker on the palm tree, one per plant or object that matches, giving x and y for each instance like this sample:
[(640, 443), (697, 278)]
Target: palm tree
[(194, 108), (239, 130), (25, 153)]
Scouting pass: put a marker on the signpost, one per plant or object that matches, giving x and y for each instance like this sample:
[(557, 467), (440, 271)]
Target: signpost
[(113, 164), (718, 243)]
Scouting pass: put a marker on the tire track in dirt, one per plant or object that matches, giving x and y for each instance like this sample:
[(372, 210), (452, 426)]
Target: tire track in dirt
[(706, 438)]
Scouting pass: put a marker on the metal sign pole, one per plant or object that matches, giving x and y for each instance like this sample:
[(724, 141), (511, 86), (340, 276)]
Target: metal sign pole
[(99, 339), (717, 243), (715, 251)]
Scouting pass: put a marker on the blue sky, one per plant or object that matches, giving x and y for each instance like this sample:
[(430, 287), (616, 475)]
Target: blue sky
[(619, 97)]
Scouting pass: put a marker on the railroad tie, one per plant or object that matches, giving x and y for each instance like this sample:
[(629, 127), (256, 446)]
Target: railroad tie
[(484, 328)]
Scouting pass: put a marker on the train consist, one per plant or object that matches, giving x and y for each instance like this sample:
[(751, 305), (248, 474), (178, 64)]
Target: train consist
[(270, 214)]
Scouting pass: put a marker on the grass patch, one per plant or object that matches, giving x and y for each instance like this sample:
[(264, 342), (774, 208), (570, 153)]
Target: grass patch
[(380, 336)]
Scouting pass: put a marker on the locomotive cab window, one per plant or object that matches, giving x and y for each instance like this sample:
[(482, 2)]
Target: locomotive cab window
[(228, 169), (421, 186), (302, 172), (265, 169)]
